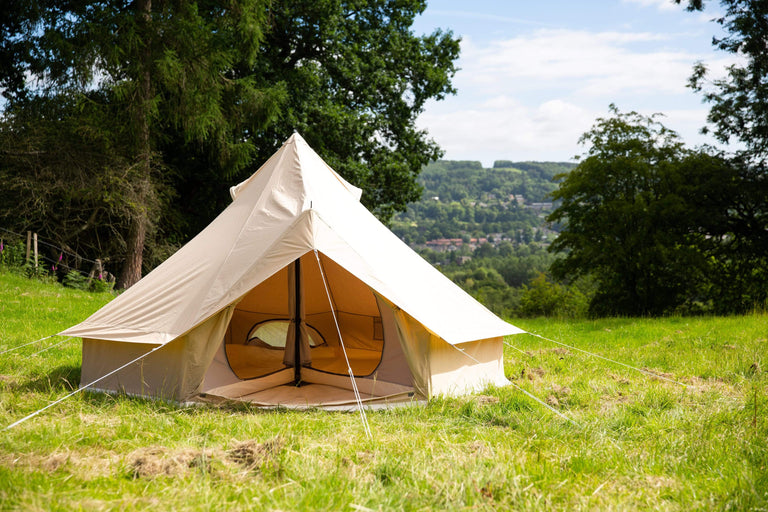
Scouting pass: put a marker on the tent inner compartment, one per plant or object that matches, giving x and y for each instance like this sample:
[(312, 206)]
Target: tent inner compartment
[(258, 336)]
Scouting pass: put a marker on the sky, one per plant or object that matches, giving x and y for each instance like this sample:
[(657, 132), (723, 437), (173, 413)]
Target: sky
[(534, 75)]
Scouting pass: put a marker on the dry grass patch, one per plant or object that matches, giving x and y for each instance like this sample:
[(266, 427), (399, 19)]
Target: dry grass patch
[(155, 461), (532, 373), (253, 455), (86, 466), (485, 399)]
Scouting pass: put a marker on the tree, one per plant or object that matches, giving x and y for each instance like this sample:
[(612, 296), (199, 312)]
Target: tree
[(739, 112), (357, 78), (727, 201), (739, 100), (62, 175), (162, 67), (625, 223)]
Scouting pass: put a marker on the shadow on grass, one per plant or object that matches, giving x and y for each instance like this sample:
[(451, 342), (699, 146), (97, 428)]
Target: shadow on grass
[(63, 378), (161, 405)]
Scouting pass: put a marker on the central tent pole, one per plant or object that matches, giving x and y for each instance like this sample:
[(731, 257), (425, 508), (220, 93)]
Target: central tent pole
[(297, 325)]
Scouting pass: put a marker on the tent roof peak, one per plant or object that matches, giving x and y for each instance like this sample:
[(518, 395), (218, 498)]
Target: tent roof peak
[(306, 161)]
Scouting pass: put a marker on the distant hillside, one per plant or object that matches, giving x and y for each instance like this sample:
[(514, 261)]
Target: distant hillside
[(457, 180), (463, 199)]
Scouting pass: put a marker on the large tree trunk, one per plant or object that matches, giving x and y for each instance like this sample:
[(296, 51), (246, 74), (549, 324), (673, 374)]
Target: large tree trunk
[(139, 221), (131, 272)]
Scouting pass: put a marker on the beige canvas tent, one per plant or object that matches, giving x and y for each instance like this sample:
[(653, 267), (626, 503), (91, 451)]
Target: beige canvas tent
[(292, 289)]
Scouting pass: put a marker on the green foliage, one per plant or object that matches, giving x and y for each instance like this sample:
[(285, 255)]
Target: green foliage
[(66, 175), (662, 228), (141, 114), (739, 101), (499, 277), (101, 286), (12, 255), (628, 221), (640, 443), (542, 297), (131, 75), (739, 112), (357, 77), (475, 202), (76, 280), (502, 240), (454, 180)]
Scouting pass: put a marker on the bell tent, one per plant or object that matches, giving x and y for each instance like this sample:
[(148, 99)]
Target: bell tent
[(294, 295)]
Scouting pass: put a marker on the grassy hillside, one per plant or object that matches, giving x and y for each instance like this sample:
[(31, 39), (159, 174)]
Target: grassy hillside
[(639, 443)]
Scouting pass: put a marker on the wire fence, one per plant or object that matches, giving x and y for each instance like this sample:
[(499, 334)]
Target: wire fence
[(56, 265)]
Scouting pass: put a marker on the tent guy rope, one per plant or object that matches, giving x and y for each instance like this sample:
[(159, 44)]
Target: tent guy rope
[(656, 375), (81, 388), (359, 400), (514, 347), (66, 339), (552, 409), (27, 344)]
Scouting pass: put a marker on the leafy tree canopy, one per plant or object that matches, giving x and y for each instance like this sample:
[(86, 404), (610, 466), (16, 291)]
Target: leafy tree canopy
[(357, 78), (739, 101), (190, 97), (625, 223)]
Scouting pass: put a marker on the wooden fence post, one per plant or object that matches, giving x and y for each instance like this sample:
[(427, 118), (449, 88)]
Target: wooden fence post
[(29, 246), (34, 237), (97, 271)]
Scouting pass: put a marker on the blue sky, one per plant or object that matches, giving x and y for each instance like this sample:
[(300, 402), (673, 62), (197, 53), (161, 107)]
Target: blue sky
[(536, 74)]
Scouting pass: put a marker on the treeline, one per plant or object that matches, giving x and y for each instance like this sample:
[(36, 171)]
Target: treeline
[(660, 227), (511, 279), (498, 232), (458, 180), (124, 123)]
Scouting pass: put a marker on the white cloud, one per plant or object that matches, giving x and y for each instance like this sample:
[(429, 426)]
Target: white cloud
[(532, 96), (663, 5), (597, 63), (503, 128)]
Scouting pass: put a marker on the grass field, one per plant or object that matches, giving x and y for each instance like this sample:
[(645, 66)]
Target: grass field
[(638, 443)]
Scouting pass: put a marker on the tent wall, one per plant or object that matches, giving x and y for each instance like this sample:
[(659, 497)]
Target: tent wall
[(439, 368), (465, 368), (175, 371), (414, 340), (394, 364)]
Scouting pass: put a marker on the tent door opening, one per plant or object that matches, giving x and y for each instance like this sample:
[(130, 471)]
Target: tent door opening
[(283, 334)]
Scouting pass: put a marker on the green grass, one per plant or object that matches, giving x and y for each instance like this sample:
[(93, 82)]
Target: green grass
[(639, 444)]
